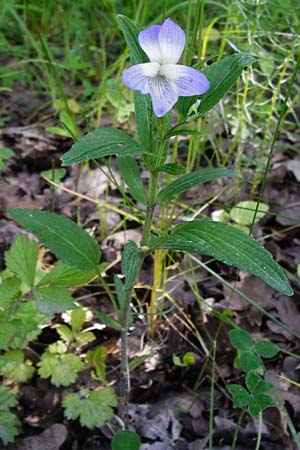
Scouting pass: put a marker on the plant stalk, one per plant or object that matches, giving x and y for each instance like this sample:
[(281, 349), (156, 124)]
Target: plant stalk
[(124, 316)]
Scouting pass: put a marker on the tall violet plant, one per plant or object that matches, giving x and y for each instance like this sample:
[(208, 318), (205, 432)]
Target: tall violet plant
[(169, 84)]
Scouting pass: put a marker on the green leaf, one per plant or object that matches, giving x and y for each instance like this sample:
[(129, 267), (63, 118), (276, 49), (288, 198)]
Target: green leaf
[(220, 215), (14, 367), (120, 289), (64, 238), (99, 143), (8, 426), (62, 369), (78, 317), (107, 320), (65, 275), (142, 102), (249, 361), (55, 175), (138, 360), (258, 403), (65, 333), (126, 440), (226, 244), (22, 327), (132, 177), (240, 339), (9, 291), (266, 349), (8, 421), (256, 384), (243, 212), (59, 131), (5, 153), (190, 180), (96, 358), (92, 408), (130, 263), (84, 337), (240, 396), (7, 398), (172, 168), (182, 132), (69, 123), (7, 333), (21, 259), (222, 75), (51, 300)]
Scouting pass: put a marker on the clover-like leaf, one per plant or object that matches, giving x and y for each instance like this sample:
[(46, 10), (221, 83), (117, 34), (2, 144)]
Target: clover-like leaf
[(258, 403), (256, 384), (92, 408), (266, 349), (240, 339), (249, 361), (240, 396)]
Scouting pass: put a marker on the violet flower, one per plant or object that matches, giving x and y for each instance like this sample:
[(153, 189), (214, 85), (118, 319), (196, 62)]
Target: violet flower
[(162, 77)]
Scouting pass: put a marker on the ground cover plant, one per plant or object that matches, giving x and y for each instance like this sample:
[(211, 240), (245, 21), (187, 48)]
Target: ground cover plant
[(122, 309)]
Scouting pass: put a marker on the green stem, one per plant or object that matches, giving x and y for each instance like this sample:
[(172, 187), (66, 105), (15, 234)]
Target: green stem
[(259, 433), (150, 207), (124, 315), (212, 395), (108, 290), (238, 425)]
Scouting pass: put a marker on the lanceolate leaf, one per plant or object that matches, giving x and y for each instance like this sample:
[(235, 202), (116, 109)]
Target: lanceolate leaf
[(226, 244), (99, 143), (107, 320), (222, 75), (132, 177), (130, 263), (64, 238), (142, 102), (190, 180)]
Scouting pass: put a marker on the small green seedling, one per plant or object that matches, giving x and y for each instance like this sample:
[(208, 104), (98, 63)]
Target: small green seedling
[(249, 359), (188, 359), (255, 397)]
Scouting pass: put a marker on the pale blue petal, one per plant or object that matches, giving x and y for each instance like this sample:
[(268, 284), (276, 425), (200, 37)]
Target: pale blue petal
[(188, 81), (163, 95), (148, 40), (171, 41), (137, 77)]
